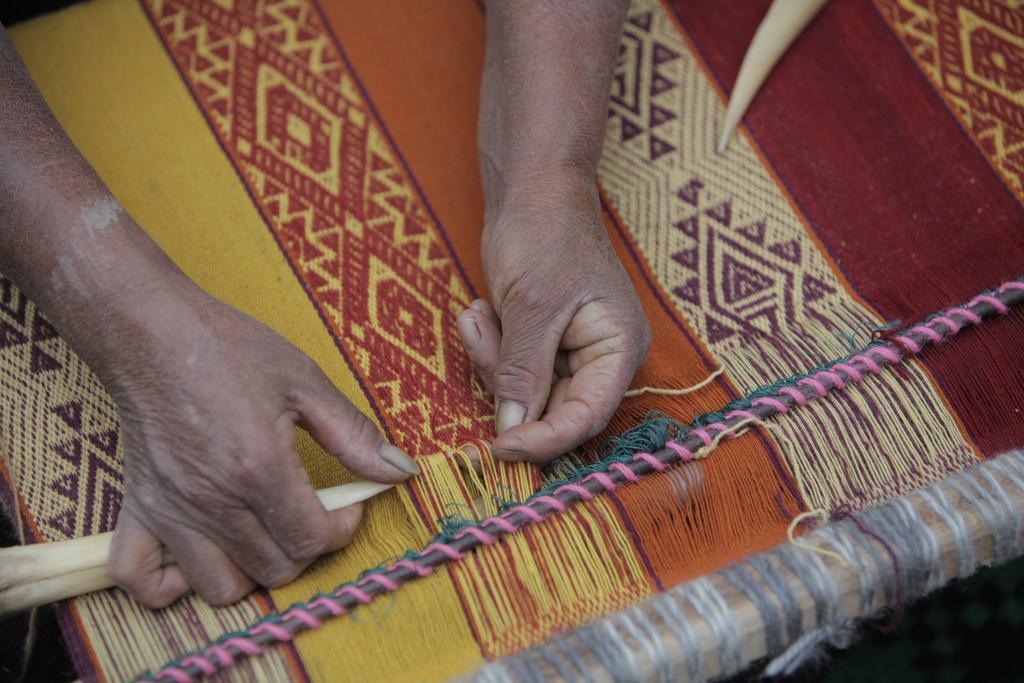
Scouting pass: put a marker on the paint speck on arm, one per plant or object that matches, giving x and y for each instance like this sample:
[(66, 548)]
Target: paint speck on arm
[(67, 269), (98, 216), (192, 415)]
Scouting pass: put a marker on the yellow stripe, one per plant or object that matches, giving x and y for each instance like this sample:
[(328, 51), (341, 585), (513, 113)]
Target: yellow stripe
[(116, 92), (575, 566)]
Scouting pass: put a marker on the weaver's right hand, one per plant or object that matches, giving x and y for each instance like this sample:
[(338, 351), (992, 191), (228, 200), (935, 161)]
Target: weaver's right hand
[(208, 400)]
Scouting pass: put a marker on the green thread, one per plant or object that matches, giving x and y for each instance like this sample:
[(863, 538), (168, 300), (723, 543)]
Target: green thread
[(644, 438)]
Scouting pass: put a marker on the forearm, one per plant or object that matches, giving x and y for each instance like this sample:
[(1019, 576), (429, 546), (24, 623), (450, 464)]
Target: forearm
[(547, 74), (64, 239)]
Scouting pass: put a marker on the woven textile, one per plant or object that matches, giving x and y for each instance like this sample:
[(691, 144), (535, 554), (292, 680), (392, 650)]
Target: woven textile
[(315, 166)]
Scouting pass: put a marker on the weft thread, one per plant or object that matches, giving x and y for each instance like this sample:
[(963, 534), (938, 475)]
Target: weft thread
[(801, 600), (595, 479)]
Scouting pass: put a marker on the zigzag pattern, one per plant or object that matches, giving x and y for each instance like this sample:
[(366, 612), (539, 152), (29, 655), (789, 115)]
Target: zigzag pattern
[(350, 221), (332, 189), (973, 53), (735, 260)]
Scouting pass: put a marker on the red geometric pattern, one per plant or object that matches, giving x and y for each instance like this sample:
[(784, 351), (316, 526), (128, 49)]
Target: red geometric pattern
[(973, 52), (339, 202)]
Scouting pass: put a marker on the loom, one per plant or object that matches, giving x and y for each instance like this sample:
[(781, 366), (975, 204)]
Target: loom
[(834, 466)]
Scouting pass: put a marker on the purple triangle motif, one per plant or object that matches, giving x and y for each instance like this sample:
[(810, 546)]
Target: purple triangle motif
[(42, 330), (71, 413), (660, 84), (770, 316), (789, 251), (630, 130), (642, 21), (41, 361), (686, 258), (12, 302), (740, 281), (689, 192), (64, 522), (814, 289), (70, 450), (689, 291), (105, 441), (753, 232), (66, 486), (662, 54), (721, 213), (688, 226), (659, 148), (717, 331), (10, 335), (658, 116)]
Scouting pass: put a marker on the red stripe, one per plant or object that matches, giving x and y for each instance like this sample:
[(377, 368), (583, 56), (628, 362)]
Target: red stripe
[(903, 200)]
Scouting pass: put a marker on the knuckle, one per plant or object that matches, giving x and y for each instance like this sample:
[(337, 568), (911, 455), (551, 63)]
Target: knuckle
[(516, 379), (308, 547), (282, 574), (250, 469), (361, 433), (224, 591)]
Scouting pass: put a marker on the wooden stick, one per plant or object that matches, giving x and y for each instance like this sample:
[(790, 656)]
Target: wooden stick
[(34, 575), (781, 25)]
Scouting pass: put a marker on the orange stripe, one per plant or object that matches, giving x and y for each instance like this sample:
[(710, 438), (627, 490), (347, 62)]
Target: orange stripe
[(798, 212), (426, 91), (421, 64)]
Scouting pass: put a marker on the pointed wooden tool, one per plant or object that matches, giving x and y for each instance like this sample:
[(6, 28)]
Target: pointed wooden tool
[(34, 575), (781, 25)]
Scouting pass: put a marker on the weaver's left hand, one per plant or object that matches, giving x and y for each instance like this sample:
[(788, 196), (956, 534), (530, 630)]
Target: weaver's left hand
[(566, 333)]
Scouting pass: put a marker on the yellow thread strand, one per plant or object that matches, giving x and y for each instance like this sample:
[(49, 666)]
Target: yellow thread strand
[(822, 516), (734, 430), (469, 468), (660, 391), (578, 565)]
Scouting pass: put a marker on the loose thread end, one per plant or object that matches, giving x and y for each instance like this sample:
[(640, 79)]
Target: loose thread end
[(822, 516), (661, 391)]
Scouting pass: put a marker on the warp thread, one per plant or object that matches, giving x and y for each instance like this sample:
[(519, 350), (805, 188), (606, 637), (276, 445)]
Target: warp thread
[(778, 578), (603, 476)]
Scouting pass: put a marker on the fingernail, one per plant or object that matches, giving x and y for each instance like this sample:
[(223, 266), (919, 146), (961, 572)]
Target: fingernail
[(468, 330), (510, 414), (479, 305), (398, 459)]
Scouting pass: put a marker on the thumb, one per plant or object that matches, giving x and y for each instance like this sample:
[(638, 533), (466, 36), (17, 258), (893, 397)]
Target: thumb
[(526, 360), (136, 564), (347, 434)]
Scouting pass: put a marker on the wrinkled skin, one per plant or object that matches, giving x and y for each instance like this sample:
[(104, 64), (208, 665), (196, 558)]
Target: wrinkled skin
[(208, 411), (564, 336), (209, 398)]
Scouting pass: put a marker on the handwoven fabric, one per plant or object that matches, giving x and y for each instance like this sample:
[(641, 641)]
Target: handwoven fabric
[(314, 165)]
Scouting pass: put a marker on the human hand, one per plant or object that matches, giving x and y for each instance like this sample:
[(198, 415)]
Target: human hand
[(566, 332), (208, 400)]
